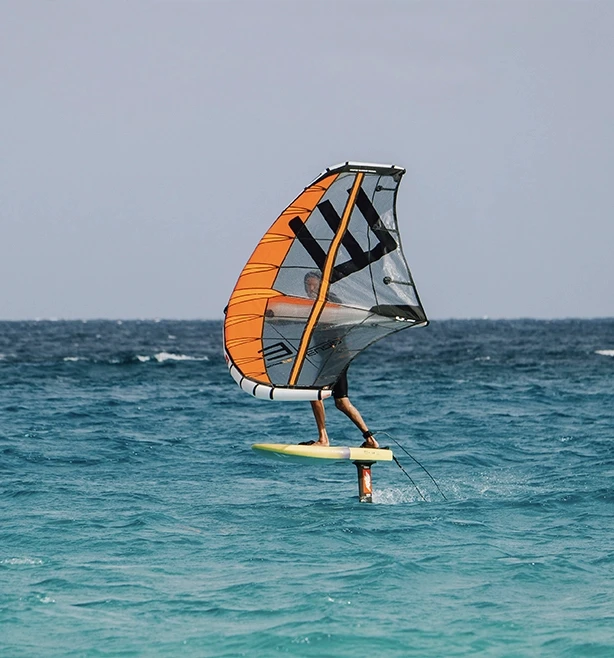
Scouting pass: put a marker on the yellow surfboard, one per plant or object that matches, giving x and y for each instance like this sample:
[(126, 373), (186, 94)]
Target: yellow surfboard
[(293, 452)]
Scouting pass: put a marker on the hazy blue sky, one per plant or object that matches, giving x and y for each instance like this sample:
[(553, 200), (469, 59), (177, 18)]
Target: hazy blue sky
[(145, 147)]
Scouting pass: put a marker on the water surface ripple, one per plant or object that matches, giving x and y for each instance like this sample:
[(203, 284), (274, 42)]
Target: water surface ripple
[(137, 521)]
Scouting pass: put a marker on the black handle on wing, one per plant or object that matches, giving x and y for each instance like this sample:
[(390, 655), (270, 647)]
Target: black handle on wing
[(404, 311), (387, 280)]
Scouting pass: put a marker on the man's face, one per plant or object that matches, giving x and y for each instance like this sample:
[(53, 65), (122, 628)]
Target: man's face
[(312, 285)]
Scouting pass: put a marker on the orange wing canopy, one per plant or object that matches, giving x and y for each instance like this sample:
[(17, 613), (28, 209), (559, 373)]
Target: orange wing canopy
[(326, 280)]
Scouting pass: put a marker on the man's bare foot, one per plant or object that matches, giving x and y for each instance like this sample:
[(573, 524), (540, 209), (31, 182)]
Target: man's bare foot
[(321, 442)]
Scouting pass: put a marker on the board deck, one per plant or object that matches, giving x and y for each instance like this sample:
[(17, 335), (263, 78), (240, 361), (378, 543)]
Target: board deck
[(294, 452)]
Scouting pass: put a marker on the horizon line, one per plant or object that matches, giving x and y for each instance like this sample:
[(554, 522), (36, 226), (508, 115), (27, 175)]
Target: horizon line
[(221, 319)]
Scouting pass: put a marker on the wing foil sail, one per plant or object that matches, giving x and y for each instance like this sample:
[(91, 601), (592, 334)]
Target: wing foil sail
[(327, 280)]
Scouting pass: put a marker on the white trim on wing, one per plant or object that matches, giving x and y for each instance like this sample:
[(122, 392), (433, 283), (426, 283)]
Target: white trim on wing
[(266, 392)]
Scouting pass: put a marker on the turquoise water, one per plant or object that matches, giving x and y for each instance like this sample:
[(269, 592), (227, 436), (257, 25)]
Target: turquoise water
[(137, 521)]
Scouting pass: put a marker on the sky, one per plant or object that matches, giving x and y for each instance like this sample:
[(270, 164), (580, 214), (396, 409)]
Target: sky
[(146, 146)]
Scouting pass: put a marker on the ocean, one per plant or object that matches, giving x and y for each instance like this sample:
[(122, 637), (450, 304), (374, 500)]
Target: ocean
[(136, 520)]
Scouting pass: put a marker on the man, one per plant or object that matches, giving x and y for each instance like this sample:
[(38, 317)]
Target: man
[(340, 389)]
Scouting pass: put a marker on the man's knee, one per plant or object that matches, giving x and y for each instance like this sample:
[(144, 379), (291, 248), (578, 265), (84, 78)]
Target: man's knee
[(342, 403)]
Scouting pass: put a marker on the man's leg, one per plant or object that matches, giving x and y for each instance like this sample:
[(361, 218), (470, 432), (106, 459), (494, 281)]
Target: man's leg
[(317, 406), (344, 404)]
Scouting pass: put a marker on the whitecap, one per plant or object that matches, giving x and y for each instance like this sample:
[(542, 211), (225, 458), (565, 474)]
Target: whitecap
[(160, 357), (43, 598), (143, 359), (466, 522), (605, 352), (28, 561)]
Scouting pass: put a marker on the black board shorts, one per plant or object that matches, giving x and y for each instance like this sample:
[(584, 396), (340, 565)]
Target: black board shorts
[(340, 389)]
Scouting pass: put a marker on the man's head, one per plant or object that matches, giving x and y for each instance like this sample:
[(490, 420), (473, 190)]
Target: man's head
[(312, 284)]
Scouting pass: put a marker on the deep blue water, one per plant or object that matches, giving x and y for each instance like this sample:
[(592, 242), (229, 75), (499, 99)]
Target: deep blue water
[(135, 520)]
